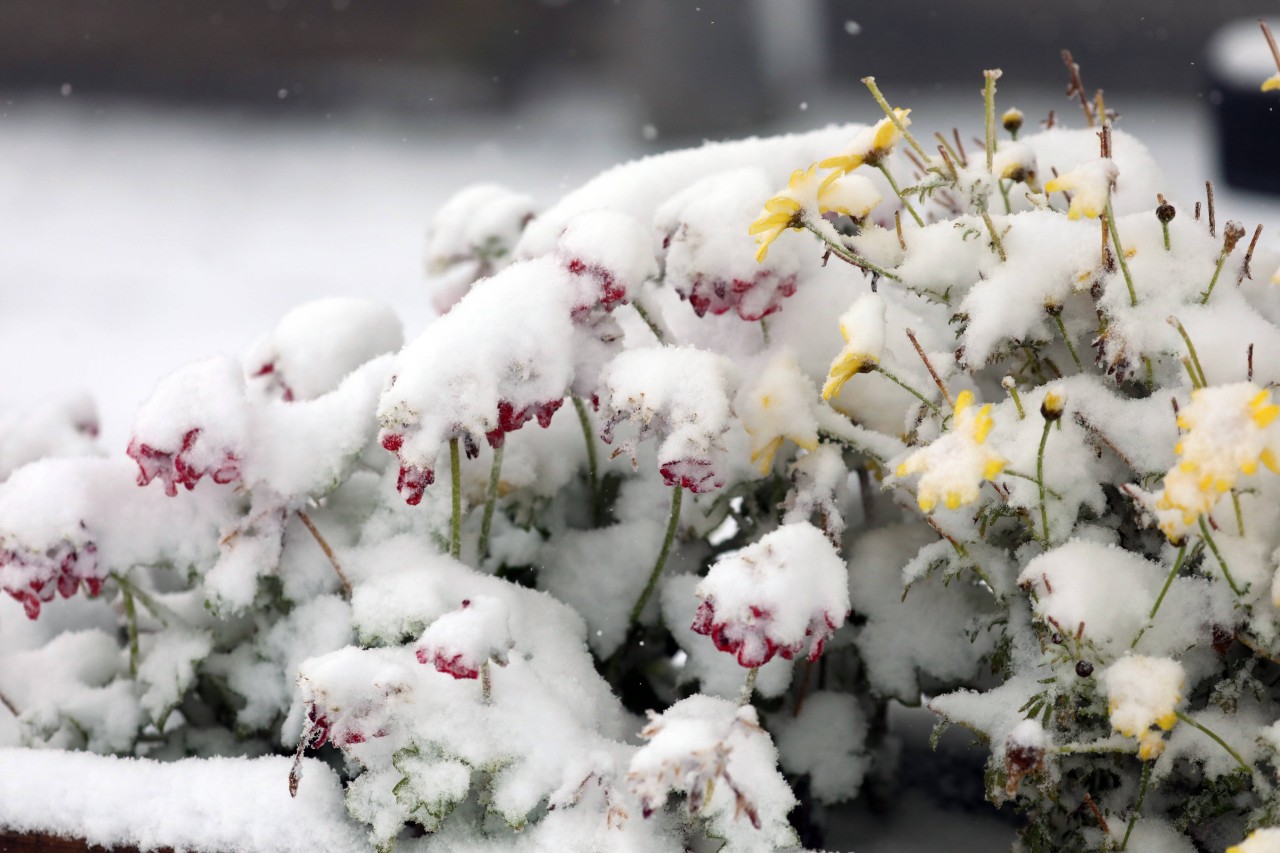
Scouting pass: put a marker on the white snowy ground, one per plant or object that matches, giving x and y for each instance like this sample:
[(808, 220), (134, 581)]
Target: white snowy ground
[(135, 238)]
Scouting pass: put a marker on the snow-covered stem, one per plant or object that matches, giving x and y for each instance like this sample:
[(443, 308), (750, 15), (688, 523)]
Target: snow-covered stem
[(849, 257), (1244, 765), (1120, 258), (1213, 546), (648, 319), (455, 519), (1066, 338), (1044, 512), (1230, 236), (905, 386), (1137, 806), (1235, 503), (677, 494), (924, 357), (888, 176), (749, 687), (491, 500), (1012, 387), (486, 684), (989, 99), (131, 627), (328, 552), (1197, 372), (593, 470), (870, 83), (991, 229), (764, 331), (1168, 582)]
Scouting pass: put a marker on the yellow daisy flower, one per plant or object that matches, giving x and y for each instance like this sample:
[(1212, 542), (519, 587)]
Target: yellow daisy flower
[(1090, 185), (956, 463), (871, 145), (807, 195)]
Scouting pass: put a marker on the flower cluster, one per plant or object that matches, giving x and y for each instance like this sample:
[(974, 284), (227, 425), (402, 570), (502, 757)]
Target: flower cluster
[(31, 577), (1229, 431), (183, 465)]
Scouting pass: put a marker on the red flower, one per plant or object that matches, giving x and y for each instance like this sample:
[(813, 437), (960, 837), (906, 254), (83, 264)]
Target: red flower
[(32, 577), (176, 468)]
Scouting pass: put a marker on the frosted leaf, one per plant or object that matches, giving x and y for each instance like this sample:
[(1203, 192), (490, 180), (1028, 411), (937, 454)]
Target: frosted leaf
[(314, 346), (680, 395), (783, 593)]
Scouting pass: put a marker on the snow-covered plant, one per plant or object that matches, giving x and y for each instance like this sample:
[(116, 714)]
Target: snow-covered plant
[(825, 422)]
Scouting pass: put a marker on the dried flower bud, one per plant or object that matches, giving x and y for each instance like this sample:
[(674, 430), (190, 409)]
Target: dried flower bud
[(1008, 383), (1055, 402), (1012, 120), (1084, 669), (1234, 231), (1165, 211), (1024, 751)]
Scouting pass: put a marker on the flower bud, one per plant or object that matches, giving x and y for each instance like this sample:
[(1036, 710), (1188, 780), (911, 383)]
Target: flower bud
[(1012, 120), (1165, 211), (1055, 402)]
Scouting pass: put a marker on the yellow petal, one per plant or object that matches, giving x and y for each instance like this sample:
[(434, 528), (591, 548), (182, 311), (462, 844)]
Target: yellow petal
[(1272, 83), (963, 401), (1167, 720)]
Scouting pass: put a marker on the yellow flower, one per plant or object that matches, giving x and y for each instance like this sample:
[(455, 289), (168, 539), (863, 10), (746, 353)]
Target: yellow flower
[(871, 145), (1260, 840), (1090, 184), (956, 463), (1143, 695), (808, 196), (862, 328), (778, 408), (1151, 746), (1272, 83), (1228, 433)]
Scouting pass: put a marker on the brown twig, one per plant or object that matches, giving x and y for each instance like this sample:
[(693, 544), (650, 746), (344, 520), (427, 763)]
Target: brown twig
[(964, 157), (1271, 41), (1248, 256), (1250, 377), (1097, 815), (4, 700), (1197, 211), (1213, 224), (1075, 87), (937, 380), (1106, 442), (328, 552), (951, 166), (897, 226), (1051, 120)]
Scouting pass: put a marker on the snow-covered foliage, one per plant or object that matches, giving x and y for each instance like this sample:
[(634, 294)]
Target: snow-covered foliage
[(825, 421)]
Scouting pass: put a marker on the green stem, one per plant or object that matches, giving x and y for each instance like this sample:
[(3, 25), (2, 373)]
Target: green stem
[(1009, 472), (1012, 388), (1165, 226), (989, 97), (677, 494), (1062, 327), (490, 501), (749, 688), (1222, 259), (886, 374), (1124, 265), (455, 524), (159, 611), (1191, 349), (995, 236), (1213, 546), (1044, 512), (486, 687), (849, 257), (593, 471), (1222, 743), (1168, 582), (884, 170), (1235, 501), (1137, 807), (870, 83), (648, 320), (131, 627), (1004, 194), (764, 331)]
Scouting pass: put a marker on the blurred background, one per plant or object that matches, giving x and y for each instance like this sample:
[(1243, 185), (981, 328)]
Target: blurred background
[(175, 176)]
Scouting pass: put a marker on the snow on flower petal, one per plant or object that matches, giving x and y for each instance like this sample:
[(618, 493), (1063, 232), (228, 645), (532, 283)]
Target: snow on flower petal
[(1090, 186), (871, 145), (862, 327), (461, 641), (779, 408), (1143, 693), (956, 463), (806, 198), (1265, 840), (787, 591)]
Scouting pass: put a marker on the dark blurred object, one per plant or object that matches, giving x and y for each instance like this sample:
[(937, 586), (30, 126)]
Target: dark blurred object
[(1247, 119)]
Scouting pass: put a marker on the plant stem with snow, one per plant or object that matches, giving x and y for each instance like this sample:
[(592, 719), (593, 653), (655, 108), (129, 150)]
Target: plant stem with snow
[(491, 500), (455, 523), (593, 470), (677, 494)]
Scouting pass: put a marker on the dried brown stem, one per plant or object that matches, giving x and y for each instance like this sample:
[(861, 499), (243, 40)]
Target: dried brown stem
[(8, 704), (328, 552), (937, 380), (964, 158), (1097, 815), (1106, 442), (1271, 41), (1248, 256), (1075, 87), (1213, 224), (897, 226)]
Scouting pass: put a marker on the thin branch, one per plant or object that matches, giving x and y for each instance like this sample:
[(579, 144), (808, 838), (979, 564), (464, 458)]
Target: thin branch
[(328, 552), (946, 395), (1075, 88)]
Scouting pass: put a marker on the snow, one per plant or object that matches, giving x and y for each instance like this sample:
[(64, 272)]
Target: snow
[(214, 804)]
